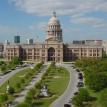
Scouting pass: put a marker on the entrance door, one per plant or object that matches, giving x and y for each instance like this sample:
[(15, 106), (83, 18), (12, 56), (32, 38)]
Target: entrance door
[(51, 54)]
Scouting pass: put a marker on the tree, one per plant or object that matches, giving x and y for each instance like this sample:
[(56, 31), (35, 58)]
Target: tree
[(18, 85), (11, 90), (3, 68), (22, 80), (16, 61), (96, 81), (3, 98), (32, 93), (23, 105), (82, 97), (103, 98), (104, 55), (2, 63)]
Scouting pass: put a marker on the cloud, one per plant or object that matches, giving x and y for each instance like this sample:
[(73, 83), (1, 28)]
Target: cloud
[(63, 7), (95, 22), (41, 25)]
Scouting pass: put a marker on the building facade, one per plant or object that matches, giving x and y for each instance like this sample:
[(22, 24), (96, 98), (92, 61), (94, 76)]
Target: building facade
[(53, 48)]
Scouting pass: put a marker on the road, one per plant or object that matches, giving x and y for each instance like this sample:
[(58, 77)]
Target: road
[(6, 77), (71, 89), (35, 80)]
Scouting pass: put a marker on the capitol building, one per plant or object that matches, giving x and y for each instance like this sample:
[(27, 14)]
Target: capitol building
[(53, 48)]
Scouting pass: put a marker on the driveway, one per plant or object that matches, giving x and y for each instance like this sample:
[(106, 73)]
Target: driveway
[(6, 77), (71, 89)]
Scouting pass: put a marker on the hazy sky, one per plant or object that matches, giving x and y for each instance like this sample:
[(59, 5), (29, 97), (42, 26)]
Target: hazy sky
[(80, 19)]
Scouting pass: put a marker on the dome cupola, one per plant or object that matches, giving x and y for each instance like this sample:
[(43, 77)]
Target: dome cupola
[(54, 20), (54, 30)]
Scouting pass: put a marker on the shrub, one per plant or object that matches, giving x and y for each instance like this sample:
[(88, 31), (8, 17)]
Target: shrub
[(3, 98), (97, 81), (11, 90), (81, 97), (103, 98), (23, 105)]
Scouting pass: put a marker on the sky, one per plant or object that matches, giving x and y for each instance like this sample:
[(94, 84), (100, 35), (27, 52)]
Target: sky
[(80, 19)]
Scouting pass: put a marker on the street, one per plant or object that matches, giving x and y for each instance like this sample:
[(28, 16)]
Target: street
[(6, 77), (71, 89)]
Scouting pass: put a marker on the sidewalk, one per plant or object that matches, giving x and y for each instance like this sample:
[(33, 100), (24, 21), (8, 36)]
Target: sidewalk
[(35, 80)]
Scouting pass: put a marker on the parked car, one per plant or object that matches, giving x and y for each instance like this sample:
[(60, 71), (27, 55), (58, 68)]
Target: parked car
[(80, 76), (75, 93), (77, 70), (80, 84), (67, 105)]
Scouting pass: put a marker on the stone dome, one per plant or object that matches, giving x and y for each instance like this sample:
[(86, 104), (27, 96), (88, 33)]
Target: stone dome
[(54, 20)]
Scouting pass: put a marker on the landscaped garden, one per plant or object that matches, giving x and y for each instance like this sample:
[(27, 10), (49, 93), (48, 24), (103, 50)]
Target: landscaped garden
[(6, 67), (11, 88), (56, 80), (94, 94)]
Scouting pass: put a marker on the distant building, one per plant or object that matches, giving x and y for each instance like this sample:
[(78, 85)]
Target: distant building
[(94, 42), (29, 41), (53, 48), (1, 49), (6, 42), (79, 42), (16, 39)]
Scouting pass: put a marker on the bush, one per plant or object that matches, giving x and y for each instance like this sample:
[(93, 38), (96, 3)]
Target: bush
[(23, 105), (22, 80), (16, 61), (97, 81), (18, 85), (3, 98), (81, 97), (103, 98), (11, 90)]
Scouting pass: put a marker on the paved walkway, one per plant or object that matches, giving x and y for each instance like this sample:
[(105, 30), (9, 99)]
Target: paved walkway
[(6, 77), (35, 80), (71, 89)]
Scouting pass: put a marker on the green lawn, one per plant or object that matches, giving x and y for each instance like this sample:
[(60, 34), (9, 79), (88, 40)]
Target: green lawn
[(14, 80), (57, 80), (20, 80)]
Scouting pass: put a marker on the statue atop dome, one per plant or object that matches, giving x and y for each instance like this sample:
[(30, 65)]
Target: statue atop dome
[(54, 14)]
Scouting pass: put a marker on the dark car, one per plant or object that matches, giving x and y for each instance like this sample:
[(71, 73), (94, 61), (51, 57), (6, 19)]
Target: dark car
[(77, 70), (67, 105), (75, 93), (80, 76), (80, 84)]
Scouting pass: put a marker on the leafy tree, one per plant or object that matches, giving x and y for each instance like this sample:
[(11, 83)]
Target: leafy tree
[(11, 90), (2, 63), (104, 55), (22, 80), (32, 93), (3, 68), (96, 81), (16, 61), (79, 99), (103, 98), (23, 105), (3, 98), (18, 85)]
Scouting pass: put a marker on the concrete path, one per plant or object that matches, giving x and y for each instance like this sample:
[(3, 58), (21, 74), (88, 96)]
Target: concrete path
[(71, 89), (6, 77), (35, 80)]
